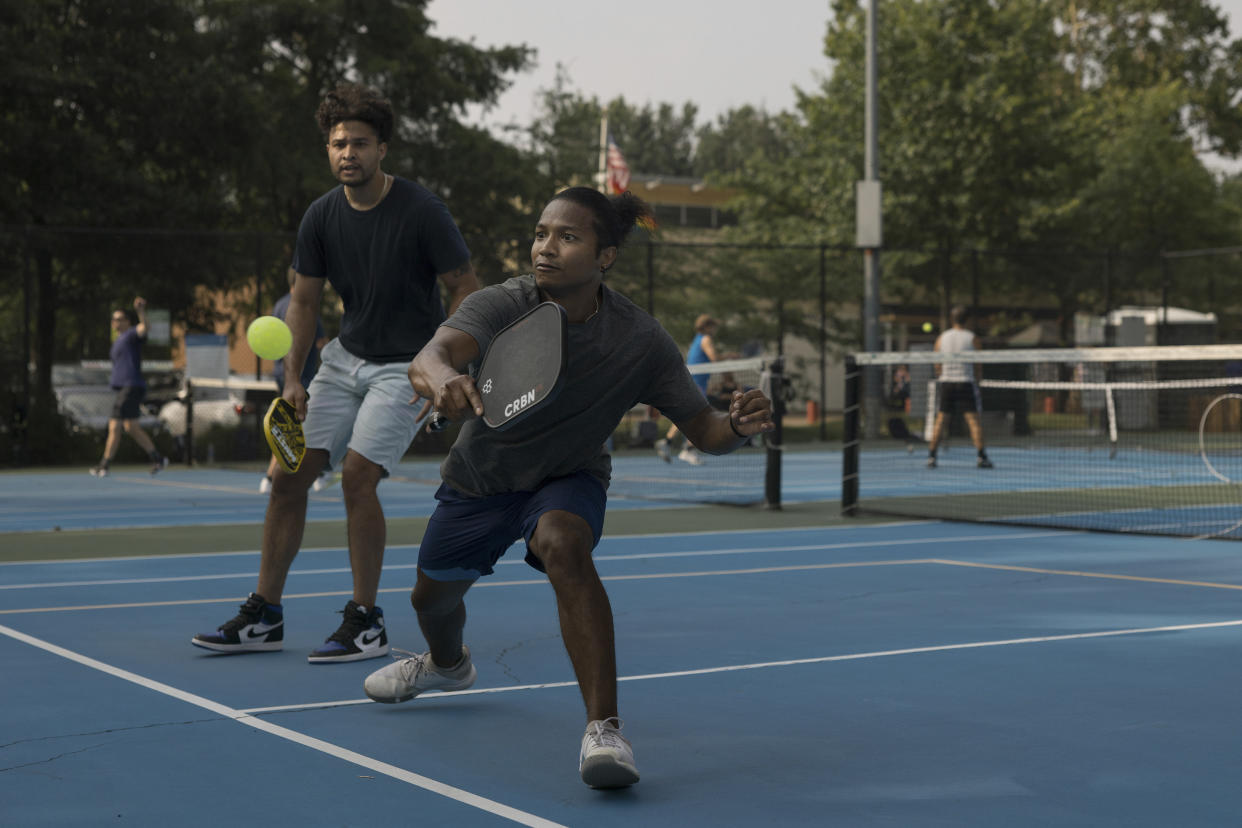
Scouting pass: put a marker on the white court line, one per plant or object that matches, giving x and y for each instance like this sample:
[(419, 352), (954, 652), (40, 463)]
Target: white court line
[(632, 536), (336, 751), (631, 556), (479, 585), (763, 665), (658, 576)]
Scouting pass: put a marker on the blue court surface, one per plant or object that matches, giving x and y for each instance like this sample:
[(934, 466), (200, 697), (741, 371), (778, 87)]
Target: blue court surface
[(911, 673), (178, 496)]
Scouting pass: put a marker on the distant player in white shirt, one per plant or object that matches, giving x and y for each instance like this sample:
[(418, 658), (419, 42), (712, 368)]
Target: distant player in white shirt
[(959, 387)]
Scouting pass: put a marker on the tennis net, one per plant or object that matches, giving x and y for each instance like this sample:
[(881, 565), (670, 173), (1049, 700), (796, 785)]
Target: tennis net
[(751, 475), (1145, 440)]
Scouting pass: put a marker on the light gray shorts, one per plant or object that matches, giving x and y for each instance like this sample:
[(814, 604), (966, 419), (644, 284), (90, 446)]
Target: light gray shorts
[(360, 405)]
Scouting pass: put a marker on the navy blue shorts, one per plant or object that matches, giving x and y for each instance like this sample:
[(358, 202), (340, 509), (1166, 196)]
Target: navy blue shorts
[(467, 535), (127, 404)]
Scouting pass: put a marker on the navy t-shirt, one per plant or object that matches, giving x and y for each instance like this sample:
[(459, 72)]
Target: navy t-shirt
[(383, 263), (280, 310), (126, 354)]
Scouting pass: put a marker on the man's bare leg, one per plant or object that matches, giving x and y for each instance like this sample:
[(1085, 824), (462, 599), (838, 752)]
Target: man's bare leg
[(562, 541), (284, 524), (365, 523)]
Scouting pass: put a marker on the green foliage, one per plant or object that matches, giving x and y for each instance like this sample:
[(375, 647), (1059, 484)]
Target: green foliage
[(1017, 126), (656, 139), (199, 115)]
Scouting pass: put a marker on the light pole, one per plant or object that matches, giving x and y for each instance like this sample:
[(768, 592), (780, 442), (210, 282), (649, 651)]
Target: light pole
[(869, 222)]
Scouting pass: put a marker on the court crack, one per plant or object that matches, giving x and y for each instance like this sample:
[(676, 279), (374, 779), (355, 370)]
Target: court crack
[(500, 656), (88, 733), (48, 760)]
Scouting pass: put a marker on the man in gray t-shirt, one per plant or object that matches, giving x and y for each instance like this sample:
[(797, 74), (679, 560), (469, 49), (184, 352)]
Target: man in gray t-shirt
[(545, 478), (618, 358)]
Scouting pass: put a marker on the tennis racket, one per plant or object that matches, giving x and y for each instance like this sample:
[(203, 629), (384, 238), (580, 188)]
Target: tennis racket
[(284, 434), (523, 369)]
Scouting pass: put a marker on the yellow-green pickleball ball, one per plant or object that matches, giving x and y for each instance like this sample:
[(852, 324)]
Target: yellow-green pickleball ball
[(928, 327), (269, 337)]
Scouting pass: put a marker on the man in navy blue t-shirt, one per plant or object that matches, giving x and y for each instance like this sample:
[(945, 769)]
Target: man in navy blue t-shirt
[(130, 387), (387, 245)]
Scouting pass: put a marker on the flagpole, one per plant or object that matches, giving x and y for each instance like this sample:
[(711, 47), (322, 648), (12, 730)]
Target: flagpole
[(603, 152)]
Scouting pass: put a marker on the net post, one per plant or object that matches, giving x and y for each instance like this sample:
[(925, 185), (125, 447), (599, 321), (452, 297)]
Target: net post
[(775, 439), (849, 438), (189, 421)]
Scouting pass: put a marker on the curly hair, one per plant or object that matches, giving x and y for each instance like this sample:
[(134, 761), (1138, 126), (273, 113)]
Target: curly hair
[(615, 215), (355, 102)]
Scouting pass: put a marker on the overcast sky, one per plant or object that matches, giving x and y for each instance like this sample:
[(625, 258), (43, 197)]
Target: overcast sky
[(717, 54)]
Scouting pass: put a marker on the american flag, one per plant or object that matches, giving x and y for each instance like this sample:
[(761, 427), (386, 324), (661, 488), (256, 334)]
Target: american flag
[(617, 172)]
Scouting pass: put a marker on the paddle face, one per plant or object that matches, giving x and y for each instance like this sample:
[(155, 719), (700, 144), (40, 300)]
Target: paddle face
[(284, 434), (524, 367)]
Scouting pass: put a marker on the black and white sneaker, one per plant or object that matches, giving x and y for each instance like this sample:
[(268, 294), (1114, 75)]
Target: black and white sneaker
[(257, 627), (360, 636)]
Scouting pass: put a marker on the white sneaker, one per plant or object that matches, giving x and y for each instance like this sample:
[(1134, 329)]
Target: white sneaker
[(606, 760), (323, 481), (661, 447), (691, 456), (265, 485), (403, 680)]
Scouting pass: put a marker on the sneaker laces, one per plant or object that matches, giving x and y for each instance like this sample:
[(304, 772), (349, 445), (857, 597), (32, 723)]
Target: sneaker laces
[(353, 623), (249, 613), (411, 665), (604, 734)]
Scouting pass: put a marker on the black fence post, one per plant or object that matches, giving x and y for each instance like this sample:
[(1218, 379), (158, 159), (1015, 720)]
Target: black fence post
[(850, 446), (189, 422), (775, 438)]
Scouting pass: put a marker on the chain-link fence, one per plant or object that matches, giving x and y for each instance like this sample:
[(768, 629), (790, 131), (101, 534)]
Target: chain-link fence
[(802, 301)]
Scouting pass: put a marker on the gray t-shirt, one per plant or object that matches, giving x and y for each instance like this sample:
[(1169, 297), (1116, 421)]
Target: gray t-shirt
[(618, 358)]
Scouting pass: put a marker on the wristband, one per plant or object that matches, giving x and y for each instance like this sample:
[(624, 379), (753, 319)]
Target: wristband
[(735, 431)]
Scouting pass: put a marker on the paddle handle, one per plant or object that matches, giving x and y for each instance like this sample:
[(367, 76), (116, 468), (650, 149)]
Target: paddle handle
[(436, 422)]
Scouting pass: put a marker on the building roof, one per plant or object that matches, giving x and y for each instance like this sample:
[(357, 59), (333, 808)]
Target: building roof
[(1158, 315), (677, 190)]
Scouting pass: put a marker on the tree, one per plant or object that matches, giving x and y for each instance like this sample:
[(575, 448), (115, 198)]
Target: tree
[(1004, 128), (199, 115), (737, 137), (657, 139), (1138, 44)]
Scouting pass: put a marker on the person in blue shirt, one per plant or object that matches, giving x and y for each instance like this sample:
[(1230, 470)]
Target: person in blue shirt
[(702, 349), (130, 387), (279, 310)]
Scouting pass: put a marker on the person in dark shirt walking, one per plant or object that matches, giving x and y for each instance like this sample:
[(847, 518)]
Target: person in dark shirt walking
[(130, 387)]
